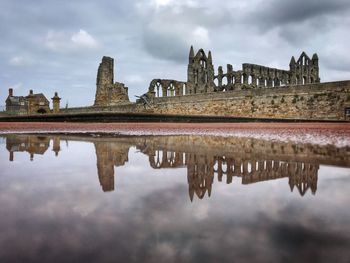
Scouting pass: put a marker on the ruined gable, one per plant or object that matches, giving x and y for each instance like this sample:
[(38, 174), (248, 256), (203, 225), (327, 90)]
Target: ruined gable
[(109, 93)]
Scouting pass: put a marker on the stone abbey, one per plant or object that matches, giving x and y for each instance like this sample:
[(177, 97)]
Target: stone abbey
[(252, 92), (201, 78)]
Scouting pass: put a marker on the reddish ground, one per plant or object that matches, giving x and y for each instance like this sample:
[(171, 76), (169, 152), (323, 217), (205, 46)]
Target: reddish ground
[(343, 128)]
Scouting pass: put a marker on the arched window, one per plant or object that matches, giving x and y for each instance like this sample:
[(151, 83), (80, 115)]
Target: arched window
[(158, 89), (250, 79), (195, 77), (171, 90), (224, 80), (216, 82)]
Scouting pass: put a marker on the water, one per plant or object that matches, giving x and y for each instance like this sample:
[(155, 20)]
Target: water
[(68, 198)]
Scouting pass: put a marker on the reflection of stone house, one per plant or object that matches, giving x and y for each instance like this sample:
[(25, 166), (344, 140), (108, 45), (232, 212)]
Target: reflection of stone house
[(24, 143), (31, 104)]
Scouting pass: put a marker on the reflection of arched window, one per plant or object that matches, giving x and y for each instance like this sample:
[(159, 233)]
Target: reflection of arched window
[(158, 158)]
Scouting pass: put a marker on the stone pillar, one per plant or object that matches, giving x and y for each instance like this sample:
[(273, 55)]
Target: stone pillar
[(56, 103), (245, 79)]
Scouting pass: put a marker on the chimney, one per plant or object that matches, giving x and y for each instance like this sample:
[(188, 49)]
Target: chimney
[(10, 92), (31, 92)]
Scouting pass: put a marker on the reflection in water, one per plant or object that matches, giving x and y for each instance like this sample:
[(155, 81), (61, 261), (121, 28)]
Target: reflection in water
[(204, 158), (53, 209)]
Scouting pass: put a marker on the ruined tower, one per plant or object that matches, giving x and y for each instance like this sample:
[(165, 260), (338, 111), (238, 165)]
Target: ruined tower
[(109, 93), (304, 70), (200, 72)]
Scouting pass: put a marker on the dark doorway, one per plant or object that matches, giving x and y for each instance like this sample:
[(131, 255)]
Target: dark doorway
[(41, 111)]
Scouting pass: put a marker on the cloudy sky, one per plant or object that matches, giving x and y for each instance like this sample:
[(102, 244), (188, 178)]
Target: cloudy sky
[(49, 45)]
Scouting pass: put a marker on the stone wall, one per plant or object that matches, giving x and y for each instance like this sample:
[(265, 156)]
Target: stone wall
[(326, 101)]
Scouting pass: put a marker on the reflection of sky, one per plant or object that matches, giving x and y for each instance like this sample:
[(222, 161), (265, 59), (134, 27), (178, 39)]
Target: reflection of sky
[(53, 209)]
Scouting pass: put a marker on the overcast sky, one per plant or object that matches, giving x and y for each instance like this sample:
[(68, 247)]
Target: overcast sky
[(49, 45)]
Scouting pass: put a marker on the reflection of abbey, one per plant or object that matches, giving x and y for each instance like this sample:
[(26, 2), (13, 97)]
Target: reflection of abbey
[(206, 160), (253, 91)]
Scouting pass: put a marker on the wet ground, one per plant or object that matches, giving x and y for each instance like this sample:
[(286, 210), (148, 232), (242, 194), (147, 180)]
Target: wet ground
[(174, 192)]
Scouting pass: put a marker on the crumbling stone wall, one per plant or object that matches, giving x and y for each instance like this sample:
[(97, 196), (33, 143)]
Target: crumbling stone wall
[(166, 88), (326, 101), (318, 101), (107, 92)]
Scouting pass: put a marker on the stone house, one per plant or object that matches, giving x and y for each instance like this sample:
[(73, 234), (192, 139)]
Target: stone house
[(30, 104)]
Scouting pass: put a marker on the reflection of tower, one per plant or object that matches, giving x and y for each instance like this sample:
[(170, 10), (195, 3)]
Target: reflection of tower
[(56, 145), (304, 177), (109, 155), (200, 175)]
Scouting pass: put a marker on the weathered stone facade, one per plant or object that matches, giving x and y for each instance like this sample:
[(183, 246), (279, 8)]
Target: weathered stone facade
[(201, 76), (326, 101), (252, 92), (109, 93), (30, 104)]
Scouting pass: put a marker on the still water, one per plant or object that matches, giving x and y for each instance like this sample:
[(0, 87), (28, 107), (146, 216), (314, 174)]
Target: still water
[(70, 198)]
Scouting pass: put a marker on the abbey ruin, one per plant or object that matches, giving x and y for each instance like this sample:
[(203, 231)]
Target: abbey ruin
[(201, 78), (252, 92)]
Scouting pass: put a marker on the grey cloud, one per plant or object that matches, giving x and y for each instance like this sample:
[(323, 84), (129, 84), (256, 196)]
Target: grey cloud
[(275, 13), (169, 32), (148, 42)]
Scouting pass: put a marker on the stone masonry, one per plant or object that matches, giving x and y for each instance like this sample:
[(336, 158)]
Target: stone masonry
[(109, 93), (201, 76)]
